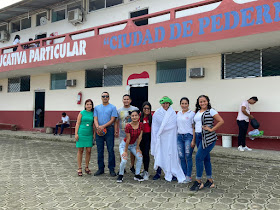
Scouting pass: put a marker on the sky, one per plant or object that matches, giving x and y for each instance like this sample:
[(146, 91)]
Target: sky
[(5, 3)]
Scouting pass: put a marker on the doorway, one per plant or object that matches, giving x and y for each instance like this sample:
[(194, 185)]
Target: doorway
[(139, 95), (39, 111)]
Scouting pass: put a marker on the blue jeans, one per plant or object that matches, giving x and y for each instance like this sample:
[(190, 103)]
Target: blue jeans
[(132, 149), (62, 128), (203, 156), (109, 138), (185, 152)]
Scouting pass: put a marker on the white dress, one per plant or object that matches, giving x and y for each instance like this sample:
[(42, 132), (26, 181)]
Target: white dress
[(164, 144)]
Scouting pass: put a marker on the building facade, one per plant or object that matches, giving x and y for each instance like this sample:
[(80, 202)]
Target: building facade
[(225, 49)]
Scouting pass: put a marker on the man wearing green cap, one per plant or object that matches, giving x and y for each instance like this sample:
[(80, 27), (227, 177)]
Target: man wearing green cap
[(164, 142)]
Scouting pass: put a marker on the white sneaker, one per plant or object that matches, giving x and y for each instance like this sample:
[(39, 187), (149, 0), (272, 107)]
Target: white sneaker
[(146, 175), (247, 148), (241, 149)]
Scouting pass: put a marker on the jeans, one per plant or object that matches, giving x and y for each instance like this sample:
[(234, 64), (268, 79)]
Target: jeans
[(203, 156), (109, 138), (243, 128), (62, 127), (185, 152), (37, 121), (145, 145), (132, 149)]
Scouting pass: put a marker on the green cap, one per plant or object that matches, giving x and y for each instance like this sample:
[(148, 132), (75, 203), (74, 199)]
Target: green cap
[(166, 99)]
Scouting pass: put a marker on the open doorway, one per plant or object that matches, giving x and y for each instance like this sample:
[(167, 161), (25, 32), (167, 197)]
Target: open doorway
[(39, 111), (139, 95)]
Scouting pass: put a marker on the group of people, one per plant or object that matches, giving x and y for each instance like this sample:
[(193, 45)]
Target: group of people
[(171, 138), (17, 41)]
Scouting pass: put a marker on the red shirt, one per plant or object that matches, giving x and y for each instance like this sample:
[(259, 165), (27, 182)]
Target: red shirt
[(134, 133), (147, 127)]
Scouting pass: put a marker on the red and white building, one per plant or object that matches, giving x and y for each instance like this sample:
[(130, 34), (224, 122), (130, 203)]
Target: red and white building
[(226, 49)]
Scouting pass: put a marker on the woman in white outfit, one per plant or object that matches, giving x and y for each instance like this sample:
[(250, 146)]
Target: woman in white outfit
[(164, 142)]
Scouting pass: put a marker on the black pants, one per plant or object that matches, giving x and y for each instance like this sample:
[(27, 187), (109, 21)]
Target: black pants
[(243, 128), (62, 128), (145, 145)]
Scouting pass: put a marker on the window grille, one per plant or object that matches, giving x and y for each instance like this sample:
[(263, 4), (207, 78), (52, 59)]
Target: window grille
[(104, 77), (257, 63), (113, 76), (19, 84), (171, 71), (271, 62), (58, 81)]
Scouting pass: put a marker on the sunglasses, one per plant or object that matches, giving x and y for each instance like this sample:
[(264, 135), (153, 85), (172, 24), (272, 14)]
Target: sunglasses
[(105, 96)]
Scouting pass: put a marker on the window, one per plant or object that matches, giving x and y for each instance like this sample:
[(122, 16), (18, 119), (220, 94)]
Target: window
[(112, 77), (21, 24), (25, 23), (58, 81), (245, 64), (15, 26), (271, 62), (140, 13), (4, 28), (99, 4), (19, 84), (58, 15), (41, 19), (171, 71), (257, 63)]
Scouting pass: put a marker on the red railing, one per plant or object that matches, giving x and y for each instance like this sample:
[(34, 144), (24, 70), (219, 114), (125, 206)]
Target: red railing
[(96, 29)]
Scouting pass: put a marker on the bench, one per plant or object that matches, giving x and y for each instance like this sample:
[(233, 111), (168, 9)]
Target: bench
[(6, 126), (236, 135), (71, 127)]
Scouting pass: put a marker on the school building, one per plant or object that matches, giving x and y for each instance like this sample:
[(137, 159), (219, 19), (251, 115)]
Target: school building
[(226, 49)]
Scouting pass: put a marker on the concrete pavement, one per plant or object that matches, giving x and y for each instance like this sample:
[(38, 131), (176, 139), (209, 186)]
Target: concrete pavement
[(40, 174)]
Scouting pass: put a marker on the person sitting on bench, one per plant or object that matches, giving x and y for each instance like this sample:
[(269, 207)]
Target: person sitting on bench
[(64, 123)]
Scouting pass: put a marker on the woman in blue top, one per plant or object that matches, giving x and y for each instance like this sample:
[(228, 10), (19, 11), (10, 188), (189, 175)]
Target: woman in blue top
[(84, 135)]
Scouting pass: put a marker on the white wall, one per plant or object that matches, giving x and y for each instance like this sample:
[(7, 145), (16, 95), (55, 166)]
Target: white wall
[(225, 95)]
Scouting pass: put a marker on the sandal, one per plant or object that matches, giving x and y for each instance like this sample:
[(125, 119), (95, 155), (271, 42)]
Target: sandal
[(80, 173), (88, 171)]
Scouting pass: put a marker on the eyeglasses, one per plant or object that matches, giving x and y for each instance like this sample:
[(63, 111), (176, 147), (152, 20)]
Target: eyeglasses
[(147, 108), (106, 96)]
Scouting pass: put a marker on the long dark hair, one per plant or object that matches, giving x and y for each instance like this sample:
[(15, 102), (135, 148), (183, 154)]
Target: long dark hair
[(142, 113), (17, 37), (197, 107), (89, 100)]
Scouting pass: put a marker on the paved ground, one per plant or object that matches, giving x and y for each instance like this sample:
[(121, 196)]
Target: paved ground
[(36, 174)]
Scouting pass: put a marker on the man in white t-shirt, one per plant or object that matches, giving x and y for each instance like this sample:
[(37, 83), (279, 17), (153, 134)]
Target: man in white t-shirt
[(122, 120), (63, 123), (243, 119)]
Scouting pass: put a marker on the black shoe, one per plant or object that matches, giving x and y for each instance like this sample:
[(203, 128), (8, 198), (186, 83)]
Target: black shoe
[(156, 177), (209, 184), (138, 178), (174, 178), (119, 172), (120, 179), (112, 173), (132, 169), (99, 172), (196, 186)]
